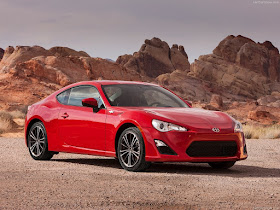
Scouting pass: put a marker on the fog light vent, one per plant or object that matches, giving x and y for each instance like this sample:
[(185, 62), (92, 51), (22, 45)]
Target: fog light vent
[(163, 148)]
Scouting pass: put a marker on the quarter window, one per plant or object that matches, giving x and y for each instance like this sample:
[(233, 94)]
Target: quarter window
[(63, 97)]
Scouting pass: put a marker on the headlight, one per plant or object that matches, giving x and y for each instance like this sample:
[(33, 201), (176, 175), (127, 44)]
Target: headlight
[(238, 127), (165, 126)]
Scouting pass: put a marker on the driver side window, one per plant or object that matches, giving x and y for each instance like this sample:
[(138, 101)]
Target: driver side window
[(79, 93)]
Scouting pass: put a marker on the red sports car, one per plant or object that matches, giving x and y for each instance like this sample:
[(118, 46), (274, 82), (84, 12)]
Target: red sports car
[(135, 122)]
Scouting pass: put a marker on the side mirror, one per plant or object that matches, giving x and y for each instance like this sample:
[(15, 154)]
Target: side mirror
[(91, 102)]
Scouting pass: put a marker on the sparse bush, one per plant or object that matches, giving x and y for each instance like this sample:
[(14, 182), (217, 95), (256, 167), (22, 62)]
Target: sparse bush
[(17, 114), (261, 131), (23, 109), (6, 121)]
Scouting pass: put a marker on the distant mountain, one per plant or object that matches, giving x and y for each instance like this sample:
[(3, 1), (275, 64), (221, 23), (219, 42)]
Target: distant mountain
[(108, 59)]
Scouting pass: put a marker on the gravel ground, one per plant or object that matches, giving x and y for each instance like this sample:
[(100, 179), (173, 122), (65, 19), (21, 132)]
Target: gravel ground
[(71, 181)]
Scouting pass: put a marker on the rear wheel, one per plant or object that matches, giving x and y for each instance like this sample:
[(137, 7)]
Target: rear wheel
[(131, 150), (222, 165), (38, 142)]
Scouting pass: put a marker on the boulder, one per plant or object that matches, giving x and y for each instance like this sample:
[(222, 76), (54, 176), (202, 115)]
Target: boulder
[(261, 116), (216, 101), (272, 100), (179, 58)]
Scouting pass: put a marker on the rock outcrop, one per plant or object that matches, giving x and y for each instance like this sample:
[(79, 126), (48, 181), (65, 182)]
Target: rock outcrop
[(20, 54), (60, 65), (187, 87), (261, 116), (240, 65), (272, 100), (65, 51), (67, 70), (262, 58), (155, 58), (30, 73)]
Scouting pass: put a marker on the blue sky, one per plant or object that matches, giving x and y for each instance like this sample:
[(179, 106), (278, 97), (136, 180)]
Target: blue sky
[(110, 28)]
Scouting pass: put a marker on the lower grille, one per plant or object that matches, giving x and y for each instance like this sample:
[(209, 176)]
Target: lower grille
[(212, 149)]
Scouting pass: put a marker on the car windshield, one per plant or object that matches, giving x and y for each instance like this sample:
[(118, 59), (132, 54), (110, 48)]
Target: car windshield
[(136, 95)]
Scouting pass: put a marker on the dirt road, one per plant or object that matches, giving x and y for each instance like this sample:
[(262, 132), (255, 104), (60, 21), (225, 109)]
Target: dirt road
[(72, 181)]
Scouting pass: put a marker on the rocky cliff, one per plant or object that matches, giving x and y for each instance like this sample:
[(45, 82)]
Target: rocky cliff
[(238, 69)]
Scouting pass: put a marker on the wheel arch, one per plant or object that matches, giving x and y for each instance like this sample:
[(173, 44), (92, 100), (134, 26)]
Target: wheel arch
[(29, 127)]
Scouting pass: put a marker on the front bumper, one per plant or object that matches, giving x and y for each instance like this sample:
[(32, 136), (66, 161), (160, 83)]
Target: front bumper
[(179, 142)]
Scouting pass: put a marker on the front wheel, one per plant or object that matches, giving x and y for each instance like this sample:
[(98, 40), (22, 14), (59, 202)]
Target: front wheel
[(131, 150), (222, 165), (38, 142)]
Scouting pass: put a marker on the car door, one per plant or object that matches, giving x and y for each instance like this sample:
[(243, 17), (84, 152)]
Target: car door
[(80, 126)]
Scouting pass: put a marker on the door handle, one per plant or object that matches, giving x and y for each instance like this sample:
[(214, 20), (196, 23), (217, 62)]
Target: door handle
[(65, 115)]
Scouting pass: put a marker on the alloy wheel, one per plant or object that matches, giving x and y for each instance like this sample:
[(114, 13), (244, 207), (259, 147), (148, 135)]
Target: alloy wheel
[(129, 149), (37, 143)]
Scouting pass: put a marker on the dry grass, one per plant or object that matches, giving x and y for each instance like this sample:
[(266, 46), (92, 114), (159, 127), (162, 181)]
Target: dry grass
[(11, 120), (261, 131), (17, 114), (6, 122)]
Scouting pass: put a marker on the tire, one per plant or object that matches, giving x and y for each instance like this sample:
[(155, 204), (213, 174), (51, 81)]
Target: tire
[(131, 150), (38, 142), (222, 165)]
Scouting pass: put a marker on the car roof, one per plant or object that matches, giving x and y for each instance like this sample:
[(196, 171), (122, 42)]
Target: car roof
[(112, 82)]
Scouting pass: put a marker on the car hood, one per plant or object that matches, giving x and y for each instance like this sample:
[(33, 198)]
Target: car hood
[(192, 118)]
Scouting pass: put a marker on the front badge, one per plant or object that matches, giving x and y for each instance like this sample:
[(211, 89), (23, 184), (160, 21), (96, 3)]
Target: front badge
[(216, 130)]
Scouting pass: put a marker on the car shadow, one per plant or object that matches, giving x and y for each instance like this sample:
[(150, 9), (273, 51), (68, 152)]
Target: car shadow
[(185, 168), (205, 169), (110, 163)]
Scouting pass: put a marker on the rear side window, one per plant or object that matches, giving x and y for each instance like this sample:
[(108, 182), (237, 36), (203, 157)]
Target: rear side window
[(63, 97)]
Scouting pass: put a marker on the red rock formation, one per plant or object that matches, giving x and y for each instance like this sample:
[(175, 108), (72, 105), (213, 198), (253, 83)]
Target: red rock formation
[(67, 70), (27, 74), (262, 58), (187, 87), (179, 58), (261, 116), (240, 66), (239, 69), (20, 54), (155, 58)]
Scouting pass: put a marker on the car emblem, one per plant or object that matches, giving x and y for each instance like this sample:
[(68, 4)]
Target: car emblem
[(217, 130)]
